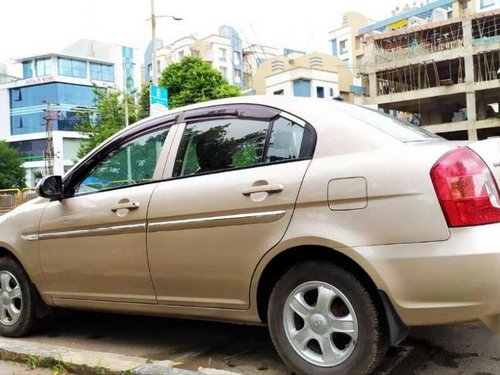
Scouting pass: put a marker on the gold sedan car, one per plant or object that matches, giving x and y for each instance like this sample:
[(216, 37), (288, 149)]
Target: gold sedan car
[(335, 225)]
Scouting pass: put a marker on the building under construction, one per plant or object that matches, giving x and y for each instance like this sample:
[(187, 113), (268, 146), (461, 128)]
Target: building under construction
[(444, 76)]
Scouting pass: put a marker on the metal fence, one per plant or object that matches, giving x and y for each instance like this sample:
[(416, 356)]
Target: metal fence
[(11, 198)]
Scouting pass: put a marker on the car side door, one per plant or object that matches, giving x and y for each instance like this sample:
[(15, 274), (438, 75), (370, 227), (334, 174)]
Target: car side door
[(92, 243), (229, 194)]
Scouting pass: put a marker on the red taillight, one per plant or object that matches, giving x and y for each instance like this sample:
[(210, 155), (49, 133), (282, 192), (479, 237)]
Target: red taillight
[(466, 189)]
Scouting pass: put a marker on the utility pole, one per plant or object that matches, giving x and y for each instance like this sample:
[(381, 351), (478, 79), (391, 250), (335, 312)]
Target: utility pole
[(154, 65), (125, 92), (49, 151), (153, 43)]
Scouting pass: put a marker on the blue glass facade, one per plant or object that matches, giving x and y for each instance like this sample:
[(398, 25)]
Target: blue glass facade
[(27, 106), (237, 49), (128, 67)]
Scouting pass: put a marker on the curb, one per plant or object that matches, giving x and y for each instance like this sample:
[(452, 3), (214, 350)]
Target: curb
[(87, 362)]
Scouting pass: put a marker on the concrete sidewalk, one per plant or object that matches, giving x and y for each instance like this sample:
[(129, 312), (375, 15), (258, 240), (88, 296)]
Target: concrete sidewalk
[(80, 361), (14, 368)]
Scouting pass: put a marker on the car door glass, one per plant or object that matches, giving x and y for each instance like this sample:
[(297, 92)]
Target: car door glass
[(220, 144), (285, 141), (132, 163)]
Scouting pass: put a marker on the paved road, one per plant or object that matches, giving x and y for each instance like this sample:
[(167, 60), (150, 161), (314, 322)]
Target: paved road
[(470, 350)]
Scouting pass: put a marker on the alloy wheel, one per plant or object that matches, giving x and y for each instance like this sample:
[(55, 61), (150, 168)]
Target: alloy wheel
[(320, 324), (11, 300)]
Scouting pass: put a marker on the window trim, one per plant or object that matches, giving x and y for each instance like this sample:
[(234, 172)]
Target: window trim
[(228, 111), (90, 161)]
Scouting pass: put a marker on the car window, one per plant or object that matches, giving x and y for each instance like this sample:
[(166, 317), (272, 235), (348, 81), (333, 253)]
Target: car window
[(220, 144), (285, 140), (132, 163)]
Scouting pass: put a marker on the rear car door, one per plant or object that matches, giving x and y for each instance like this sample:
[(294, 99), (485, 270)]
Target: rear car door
[(229, 195), (93, 242)]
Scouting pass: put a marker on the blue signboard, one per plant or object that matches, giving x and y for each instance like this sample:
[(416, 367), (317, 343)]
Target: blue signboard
[(158, 100)]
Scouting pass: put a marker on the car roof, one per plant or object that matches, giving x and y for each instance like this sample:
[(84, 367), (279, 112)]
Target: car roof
[(309, 109)]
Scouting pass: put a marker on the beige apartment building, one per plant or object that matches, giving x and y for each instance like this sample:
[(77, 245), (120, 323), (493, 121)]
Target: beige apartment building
[(315, 75)]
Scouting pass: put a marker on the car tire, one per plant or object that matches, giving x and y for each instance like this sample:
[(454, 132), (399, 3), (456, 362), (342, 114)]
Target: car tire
[(323, 320), (17, 299)]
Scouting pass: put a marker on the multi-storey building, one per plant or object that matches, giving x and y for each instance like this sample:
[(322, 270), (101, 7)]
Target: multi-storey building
[(65, 80), (223, 51), (315, 75), (253, 57), (343, 39), (443, 74)]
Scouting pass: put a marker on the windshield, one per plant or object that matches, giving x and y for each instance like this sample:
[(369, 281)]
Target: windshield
[(392, 126)]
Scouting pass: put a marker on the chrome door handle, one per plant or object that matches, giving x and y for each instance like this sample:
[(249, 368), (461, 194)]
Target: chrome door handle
[(125, 206), (271, 189)]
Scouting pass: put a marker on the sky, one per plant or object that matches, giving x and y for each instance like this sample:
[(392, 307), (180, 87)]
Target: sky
[(28, 27)]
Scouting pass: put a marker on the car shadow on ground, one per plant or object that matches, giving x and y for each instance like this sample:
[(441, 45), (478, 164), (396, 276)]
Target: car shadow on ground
[(248, 349)]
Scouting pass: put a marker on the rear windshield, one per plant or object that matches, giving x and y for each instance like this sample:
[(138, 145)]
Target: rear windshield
[(396, 128)]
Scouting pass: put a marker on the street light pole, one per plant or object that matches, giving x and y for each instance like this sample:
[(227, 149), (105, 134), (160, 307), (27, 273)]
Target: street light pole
[(153, 43), (154, 63)]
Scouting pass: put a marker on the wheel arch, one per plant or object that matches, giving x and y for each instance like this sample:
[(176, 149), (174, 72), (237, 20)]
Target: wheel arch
[(42, 308), (284, 260)]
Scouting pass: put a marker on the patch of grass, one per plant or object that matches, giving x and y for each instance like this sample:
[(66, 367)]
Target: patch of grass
[(33, 361), (58, 366)]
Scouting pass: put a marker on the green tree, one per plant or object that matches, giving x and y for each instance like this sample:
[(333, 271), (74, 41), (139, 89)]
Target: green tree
[(193, 80), (11, 167), (107, 118), (143, 102)]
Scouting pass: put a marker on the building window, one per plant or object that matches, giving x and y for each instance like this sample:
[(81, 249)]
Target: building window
[(279, 92), (343, 46), (302, 87), (334, 47), (222, 54), (236, 58), (487, 3), (102, 72), (331, 91), (181, 55), (223, 71), (31, 150), (72, 68), (320, 92), (17, 95), (27, 69), (43, 67)]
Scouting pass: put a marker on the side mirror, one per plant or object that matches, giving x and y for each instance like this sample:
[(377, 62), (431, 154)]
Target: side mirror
[(50, 187)]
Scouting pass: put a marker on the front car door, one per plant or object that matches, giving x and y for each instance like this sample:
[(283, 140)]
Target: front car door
[(230, 193), (93, 242)]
